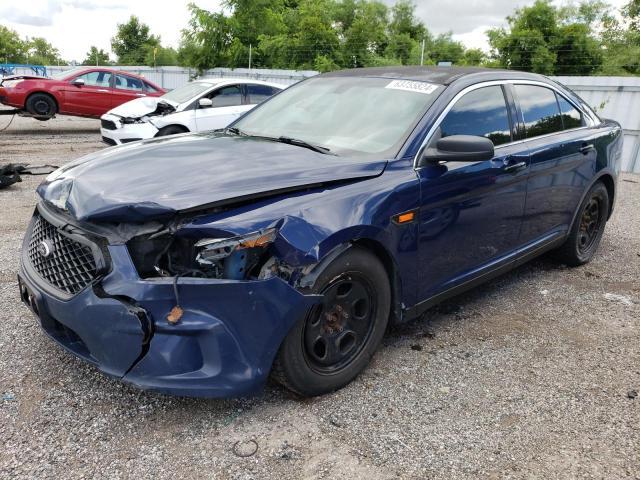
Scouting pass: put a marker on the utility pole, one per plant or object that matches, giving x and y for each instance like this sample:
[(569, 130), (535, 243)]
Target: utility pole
[(422, 54), (249, 56)]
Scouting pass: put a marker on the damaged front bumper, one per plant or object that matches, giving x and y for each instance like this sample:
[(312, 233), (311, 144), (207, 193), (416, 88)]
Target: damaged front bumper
[(114, 132), (223, 345)]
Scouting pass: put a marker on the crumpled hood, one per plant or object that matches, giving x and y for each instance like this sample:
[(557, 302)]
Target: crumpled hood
[(138, 107), (157, 178)]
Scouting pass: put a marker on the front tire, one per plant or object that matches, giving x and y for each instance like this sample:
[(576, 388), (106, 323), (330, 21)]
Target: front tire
[(335, 341), (588, 228), (41, 105)]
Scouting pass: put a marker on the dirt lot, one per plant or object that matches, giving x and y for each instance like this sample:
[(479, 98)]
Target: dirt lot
[(531, 376)]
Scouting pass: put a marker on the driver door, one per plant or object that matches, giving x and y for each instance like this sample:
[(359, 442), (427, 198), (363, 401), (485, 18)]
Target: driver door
[(93, 98), (227, 105), (471, 212)]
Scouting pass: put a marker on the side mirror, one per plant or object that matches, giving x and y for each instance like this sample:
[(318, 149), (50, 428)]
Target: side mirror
[(78, 82), (205, 103), (460, 148)]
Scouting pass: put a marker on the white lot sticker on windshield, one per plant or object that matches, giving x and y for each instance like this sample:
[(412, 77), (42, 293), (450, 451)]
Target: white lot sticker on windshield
[(410, 86)]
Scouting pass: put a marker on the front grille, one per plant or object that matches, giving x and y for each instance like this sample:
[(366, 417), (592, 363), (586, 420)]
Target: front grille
[(108, 125), (69, 265)]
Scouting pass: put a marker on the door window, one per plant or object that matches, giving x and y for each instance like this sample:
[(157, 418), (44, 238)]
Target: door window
[(227, 96), (96, 79), (540, 110), (126, 82), (481, 112), (150, 88), (259, 93), (571, 116)]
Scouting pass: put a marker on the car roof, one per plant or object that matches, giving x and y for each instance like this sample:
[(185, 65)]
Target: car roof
[(439, 75)]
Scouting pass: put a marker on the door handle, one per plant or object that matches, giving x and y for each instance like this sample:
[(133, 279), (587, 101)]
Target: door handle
[(102, 90), (514, 167), (140, 95), (586, 148)]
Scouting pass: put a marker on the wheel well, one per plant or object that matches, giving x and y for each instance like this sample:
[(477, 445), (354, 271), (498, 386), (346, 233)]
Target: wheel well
[(392, 272), (609, 183), (55, 102), (173, 125)]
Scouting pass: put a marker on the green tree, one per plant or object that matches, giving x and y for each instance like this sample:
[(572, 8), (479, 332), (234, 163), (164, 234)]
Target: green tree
[(444, 48), (621, 40), (474, 57), (404, 21), (546, 39), (207, 39), (366, 38), (158, 56), (96, 56), (132, 41), (41, 52), (12, 48)]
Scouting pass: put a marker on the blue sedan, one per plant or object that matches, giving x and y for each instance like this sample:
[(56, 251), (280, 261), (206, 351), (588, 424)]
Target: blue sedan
[(285, 244)]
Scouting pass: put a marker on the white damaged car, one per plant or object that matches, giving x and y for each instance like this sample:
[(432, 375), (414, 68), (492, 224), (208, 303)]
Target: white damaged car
[(198, 106)]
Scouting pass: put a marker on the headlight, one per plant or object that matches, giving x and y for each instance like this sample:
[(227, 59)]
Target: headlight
[(57, 193), (10, 83), (130, 120), (234, 258)]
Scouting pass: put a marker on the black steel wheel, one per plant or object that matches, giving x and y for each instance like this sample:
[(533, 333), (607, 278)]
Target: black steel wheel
[(336, 331), (587, 229), (41, 105), (591, 222), (335, 341)]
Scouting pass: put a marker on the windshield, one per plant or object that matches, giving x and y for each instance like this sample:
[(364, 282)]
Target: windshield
[(187, 92), (66, 73), (348, 115)]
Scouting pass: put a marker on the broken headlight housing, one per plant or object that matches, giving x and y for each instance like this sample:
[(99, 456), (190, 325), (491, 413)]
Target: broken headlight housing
[(234, 258)]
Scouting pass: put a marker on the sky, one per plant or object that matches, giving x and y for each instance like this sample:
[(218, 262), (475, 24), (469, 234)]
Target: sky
[(73, 26)]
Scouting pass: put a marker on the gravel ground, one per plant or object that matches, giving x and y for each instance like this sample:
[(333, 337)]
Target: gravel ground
[(531, 376)]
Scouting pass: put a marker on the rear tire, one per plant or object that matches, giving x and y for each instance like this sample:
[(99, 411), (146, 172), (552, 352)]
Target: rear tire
[(335, 341), (41, 105), (171, 130), (588, 228)]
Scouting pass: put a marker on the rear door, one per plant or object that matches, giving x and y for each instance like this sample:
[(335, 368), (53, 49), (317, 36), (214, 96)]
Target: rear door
[(127, 88), (94, 98), (259, 93), (563, 159), (471, 212), (228, 104)]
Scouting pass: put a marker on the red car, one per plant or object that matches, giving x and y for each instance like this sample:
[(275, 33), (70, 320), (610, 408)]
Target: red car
[(83, 91)]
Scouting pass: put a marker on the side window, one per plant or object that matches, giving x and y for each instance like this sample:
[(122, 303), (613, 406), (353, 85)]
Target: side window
[(259, 93), (226, 96), (540, 110), (150, 88), (96, 79), (481, 112), (571, 116), (125, 82)]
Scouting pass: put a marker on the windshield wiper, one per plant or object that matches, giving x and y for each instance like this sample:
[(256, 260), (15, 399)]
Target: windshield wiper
[(302, 143), (235, 131)]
